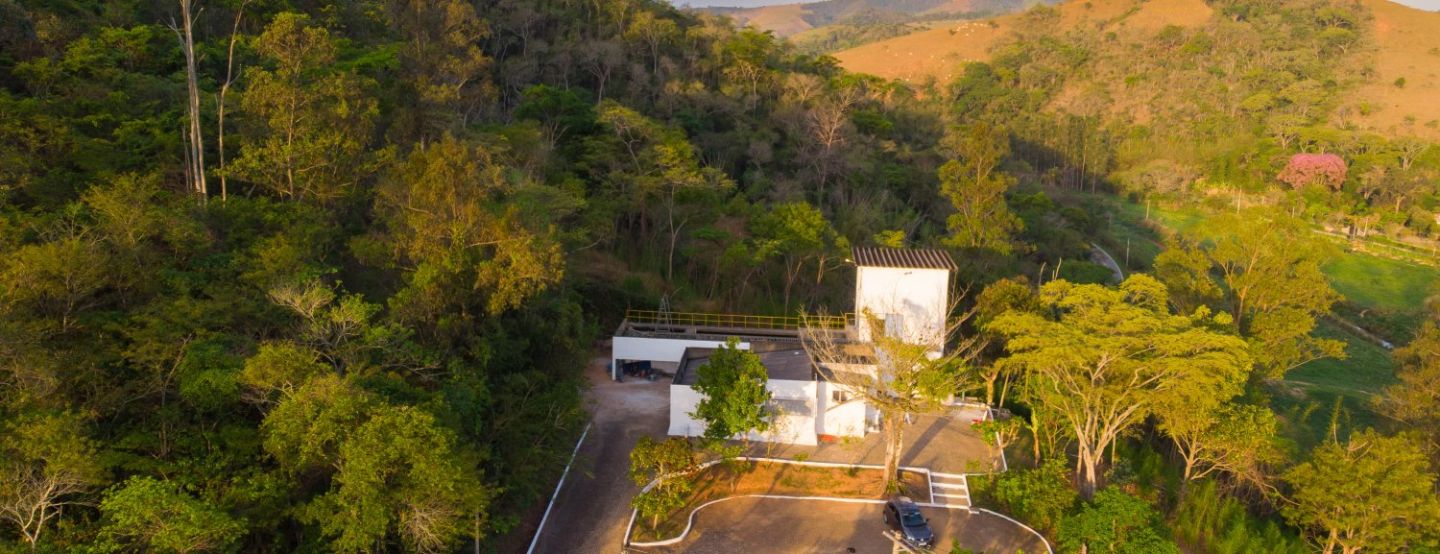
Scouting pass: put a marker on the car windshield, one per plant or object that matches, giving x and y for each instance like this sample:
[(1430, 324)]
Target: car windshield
[(912, 519)]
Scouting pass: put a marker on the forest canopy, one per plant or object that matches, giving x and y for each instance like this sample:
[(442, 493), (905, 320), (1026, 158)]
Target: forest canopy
[(309, 276)]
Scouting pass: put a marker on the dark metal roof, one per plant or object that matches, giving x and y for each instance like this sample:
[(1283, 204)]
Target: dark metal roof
[(792, 364), (903, 257)]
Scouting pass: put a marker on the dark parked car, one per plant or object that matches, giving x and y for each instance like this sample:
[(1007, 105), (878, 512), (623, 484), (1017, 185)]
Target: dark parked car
[(903, 515)]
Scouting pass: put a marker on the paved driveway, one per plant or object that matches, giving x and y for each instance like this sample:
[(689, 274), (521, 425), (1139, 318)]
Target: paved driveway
[(593, 508), (780, 525)]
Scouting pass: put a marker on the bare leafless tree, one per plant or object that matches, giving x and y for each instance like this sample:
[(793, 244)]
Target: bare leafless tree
[(220, 98), (46, 464), (31, 497), (899, 376), (194, 140)]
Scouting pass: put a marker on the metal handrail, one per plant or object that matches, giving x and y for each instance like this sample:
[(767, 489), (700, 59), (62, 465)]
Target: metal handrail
[(742, 321)]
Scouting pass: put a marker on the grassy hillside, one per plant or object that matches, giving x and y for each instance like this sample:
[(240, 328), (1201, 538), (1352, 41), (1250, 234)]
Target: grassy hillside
[(939, 53), (1401, 72), (1408, 44), (1307, 397), (859, 18)]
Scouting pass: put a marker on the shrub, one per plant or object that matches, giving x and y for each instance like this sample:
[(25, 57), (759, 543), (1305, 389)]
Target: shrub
[(1039, 496), (1117, 523), (1212, 522)]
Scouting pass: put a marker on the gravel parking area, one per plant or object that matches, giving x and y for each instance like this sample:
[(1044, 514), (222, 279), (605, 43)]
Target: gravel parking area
[(783, 525)]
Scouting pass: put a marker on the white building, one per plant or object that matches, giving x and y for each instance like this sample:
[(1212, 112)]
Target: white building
[(909, 290)]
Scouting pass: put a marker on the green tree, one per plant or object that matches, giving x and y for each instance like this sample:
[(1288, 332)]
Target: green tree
[(1040, 495), (1185, 270), (1103, 359), (976, 188), (445, 81), (306, 429), (280, 367), (451, 220), (1415, 400), (407, 473), (799, 234), (1211, 436), (668, 465), (55, 281), (735, 399), (1372, 493), (1269, 266), (307, 123), (399, 474), (998, 298), (1116, 523), (159, 516), (46, 463), (664, 171)]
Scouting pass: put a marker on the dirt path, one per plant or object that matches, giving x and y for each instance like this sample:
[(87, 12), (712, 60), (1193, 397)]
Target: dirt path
[(593, 507), (1100, 256)]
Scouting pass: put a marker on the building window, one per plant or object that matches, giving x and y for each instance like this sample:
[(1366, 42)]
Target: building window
[(839, 396)]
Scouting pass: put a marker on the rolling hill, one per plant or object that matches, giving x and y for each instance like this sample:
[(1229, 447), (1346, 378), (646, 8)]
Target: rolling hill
[(791, 19), (1406, 46), (1408, 41), (942, 51)]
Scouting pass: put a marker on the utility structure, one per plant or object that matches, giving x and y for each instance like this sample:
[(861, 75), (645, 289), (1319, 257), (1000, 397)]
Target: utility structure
[(904, 292)]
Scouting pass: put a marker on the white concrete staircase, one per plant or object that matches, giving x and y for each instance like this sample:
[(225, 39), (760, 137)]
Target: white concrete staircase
[(950, 489)]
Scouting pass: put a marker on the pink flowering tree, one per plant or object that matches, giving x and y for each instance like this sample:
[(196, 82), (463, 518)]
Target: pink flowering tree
[(1305, 170)]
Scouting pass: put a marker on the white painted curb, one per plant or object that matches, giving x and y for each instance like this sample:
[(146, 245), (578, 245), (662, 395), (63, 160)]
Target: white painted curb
[(690, 522), (536, 539), (1027, 527)]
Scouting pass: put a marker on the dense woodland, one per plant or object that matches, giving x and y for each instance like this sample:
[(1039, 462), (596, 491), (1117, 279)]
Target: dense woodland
[(314, 276)]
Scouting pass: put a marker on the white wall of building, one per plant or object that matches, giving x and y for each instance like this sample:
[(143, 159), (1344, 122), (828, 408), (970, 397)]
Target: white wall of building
[(795, 426), (795, 421), (845, 418), (683, 400), (655, 349), (920, 297)]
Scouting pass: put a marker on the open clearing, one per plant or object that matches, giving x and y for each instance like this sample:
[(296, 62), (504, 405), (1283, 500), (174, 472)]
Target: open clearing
[(940, 53), (1408, 44)]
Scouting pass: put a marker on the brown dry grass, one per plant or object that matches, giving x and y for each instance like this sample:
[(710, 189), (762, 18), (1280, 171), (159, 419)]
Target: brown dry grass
[(784, 19), (742, 478), (938, 52), (941, 52), (1408, 42)]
